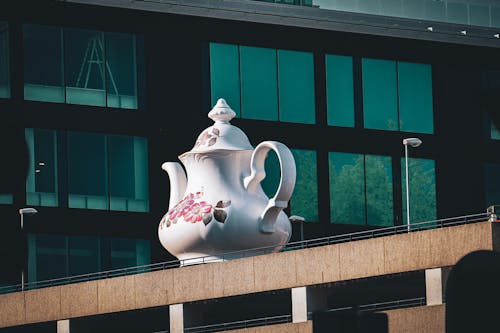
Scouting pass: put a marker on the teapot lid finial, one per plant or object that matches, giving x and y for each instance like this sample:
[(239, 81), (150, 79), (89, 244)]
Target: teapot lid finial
[(221, 112)]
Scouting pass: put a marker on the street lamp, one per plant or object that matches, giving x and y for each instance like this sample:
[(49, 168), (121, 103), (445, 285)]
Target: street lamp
[(414, 143), (25, 211), (296, 218)]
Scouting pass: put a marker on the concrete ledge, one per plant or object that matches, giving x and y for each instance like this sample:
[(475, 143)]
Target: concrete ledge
[(305, 327), (331, 263), (417, 319)]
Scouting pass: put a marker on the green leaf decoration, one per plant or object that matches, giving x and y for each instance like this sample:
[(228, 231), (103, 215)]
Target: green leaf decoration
[(220, 215), (207, 218), (223, 204)]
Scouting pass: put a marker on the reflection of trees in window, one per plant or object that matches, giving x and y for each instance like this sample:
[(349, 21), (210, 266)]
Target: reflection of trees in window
[(422, 190), (304, 201), (361, 189)]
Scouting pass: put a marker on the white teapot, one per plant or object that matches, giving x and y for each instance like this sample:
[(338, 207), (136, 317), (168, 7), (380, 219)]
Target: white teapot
[(220, 207)]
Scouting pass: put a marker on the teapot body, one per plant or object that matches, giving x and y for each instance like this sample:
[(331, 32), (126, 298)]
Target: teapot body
[(217, 214)]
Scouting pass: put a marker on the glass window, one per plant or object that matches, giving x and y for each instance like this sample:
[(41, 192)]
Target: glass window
[(415, 97), (379, 199), (7, 199), (225, 74), (422, 179), (479, 15), (273, 174), (121, 74), (87, 170), (347, 188), (43, 45), (128, 173), (492, 179), (85, 66), (339, 90), (296, 87), (259, 95), (51, 260), (4, 60), (494, 133), (380, 94), (457, 12), (84, 255), (127, 252), (304, 201), (41, 184)]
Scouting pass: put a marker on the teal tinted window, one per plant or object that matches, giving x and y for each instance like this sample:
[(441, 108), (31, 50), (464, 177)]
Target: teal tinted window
[(422, 179), (225, 74), (339, 90), (41, 183), (85, 67), (415, 97), (492, 179), (84, 255), (347, 188), (7, 199), (380, 94), (129, 252), (51, 259), (379, 199), (259, 94), (121, 70), (43, 45), (494, 133), (296, 86), (273, 174), (457, 12), (81, 66), (87, 170), (304, 201), (4, 60), (128, 173)]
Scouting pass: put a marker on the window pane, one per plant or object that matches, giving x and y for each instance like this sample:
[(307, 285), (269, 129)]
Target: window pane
[(296, 87), (41, 184), (43, 63), (259, 95), (87, 171), (273, 174), (4, 60), (84, 255), (225, 74), (128, 173), (121, 70), (415, 97), (380, 94), (85, 67), (479, 15), (304, 201), (457, 13), (379, 200), (7, 199), (495, 133), (339, 90), (51, 257), (422, 189), (347, 188), (492, 179), (123, 253)]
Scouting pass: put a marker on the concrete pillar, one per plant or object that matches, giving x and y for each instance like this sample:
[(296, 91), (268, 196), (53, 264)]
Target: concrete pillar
[(176, 314), (305, 300), (299, 305), (63, 326), (435, 285)]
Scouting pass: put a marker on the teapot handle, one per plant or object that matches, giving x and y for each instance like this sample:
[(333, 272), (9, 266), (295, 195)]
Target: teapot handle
[(287, 181)]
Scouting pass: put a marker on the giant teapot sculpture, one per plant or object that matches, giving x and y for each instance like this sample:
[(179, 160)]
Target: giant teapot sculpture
[(220, 206)]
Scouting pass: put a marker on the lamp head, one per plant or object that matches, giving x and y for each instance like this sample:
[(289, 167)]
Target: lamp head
[(412, 142), (27, 211)]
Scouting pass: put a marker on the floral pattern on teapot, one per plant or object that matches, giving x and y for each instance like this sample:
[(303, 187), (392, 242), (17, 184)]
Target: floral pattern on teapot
[(207, 138), (192, 209)]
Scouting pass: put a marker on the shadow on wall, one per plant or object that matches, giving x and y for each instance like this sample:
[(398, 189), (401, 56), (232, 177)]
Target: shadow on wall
[(473, 294)]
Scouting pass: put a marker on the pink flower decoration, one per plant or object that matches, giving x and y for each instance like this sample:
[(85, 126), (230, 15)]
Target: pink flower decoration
[(197, 211)]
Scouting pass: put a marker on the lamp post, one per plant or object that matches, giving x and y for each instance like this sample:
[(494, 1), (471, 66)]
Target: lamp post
[(296, 218), (412, 142), (25, 211)]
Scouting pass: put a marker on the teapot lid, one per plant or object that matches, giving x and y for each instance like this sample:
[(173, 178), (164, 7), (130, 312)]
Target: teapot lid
[(221, 135)]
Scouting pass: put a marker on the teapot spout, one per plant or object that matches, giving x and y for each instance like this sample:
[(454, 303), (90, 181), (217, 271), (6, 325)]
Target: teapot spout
[(178, 182)]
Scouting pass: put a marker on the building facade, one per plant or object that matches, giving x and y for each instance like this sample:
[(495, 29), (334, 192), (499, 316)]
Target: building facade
[(103, 93)]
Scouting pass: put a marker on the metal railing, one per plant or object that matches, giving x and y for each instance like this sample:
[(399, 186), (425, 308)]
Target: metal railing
[(309, 243), (382, 306)]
